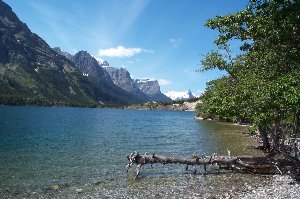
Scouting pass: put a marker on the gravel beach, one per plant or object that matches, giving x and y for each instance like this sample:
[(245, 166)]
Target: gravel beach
[(282, 186)]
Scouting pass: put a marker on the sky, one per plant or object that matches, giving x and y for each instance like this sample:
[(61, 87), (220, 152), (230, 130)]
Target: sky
[(157, 39)]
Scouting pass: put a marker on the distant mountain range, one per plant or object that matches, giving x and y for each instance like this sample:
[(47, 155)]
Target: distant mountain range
[(33, 73), (175, 96), (141, 89)]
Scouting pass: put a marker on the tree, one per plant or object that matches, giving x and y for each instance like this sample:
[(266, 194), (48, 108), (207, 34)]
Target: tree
[(262, 84)]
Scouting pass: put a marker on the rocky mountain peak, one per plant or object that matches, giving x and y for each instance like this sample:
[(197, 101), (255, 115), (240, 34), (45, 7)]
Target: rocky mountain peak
[(19, 44), (8, 14), (147, 89), (148, 86), (152, 89), (63, 53), (87, 64), (119, 74), (121, 77), (190, 94)]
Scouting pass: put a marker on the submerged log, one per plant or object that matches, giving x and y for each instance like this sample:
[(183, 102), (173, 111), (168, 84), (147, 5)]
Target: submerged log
[(248, 164)]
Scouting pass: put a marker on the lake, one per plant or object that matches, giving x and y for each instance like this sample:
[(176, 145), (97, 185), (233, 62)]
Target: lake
[(81, 153)]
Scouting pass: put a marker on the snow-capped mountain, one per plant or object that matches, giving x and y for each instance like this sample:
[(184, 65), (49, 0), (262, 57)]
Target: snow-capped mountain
[(175, 96)]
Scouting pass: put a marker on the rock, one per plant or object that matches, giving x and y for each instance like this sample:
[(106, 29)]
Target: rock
[(98, 182), (79, 190), (55, 187), (275, 189)]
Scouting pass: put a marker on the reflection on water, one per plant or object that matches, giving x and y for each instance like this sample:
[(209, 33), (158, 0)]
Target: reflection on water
[(79, 152)]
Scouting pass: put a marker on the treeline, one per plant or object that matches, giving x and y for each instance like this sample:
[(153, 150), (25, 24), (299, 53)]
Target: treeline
[(262, 85), (180, 101), (36, 101), (173, 105)]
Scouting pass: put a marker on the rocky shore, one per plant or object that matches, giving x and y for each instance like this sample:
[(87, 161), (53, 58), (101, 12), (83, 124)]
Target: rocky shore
[(176, 106), (282, 186)]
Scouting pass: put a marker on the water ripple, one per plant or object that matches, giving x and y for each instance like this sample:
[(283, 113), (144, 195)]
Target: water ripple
[(80, 152)]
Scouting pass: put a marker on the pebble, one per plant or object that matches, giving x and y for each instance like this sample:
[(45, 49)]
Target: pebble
[(279, 187), (55, 187), (79, 190)]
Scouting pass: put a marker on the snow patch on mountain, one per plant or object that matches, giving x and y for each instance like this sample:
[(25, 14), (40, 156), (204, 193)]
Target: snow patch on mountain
[(144, 80), (174, 95)]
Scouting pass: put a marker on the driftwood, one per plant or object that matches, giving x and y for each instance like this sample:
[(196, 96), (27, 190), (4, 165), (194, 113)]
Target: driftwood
[(247, 164), (290, 150)]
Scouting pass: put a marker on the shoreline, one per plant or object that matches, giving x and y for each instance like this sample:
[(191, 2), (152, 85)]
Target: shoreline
[(281, 186), (230, 123)]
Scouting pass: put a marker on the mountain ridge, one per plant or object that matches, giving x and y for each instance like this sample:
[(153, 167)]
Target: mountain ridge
[(143, 89), (121, 77), (33, 73)]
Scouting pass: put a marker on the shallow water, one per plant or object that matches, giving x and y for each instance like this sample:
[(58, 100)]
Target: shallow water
[(81, 152)]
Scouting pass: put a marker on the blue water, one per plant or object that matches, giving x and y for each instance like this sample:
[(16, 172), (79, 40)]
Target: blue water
[(81, 152)]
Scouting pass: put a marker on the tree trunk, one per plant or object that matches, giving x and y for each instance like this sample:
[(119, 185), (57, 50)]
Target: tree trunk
[(275, 136), (296, 124), (264, 137), (259, 165)]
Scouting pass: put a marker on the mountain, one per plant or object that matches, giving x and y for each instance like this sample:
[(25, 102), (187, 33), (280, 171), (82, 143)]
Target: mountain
[(152, 89), (63, 53), (33, 73), (90, 67), (175, 96), (86, 63), (94, 70), (146, 89), (121, 77)]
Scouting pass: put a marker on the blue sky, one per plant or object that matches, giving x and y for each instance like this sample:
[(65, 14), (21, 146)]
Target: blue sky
[(158, 39)]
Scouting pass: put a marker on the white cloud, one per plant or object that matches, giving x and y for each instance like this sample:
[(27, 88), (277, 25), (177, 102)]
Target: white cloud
[(164, 82), (121, 51), (175, 42)]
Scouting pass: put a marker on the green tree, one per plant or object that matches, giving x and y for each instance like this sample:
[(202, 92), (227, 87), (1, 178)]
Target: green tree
[(263, 83)]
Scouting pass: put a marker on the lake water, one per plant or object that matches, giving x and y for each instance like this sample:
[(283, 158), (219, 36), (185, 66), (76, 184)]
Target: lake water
[(81, 153)]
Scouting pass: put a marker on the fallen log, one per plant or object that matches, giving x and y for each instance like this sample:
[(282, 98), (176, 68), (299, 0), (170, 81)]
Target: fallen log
[(248, 164)]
